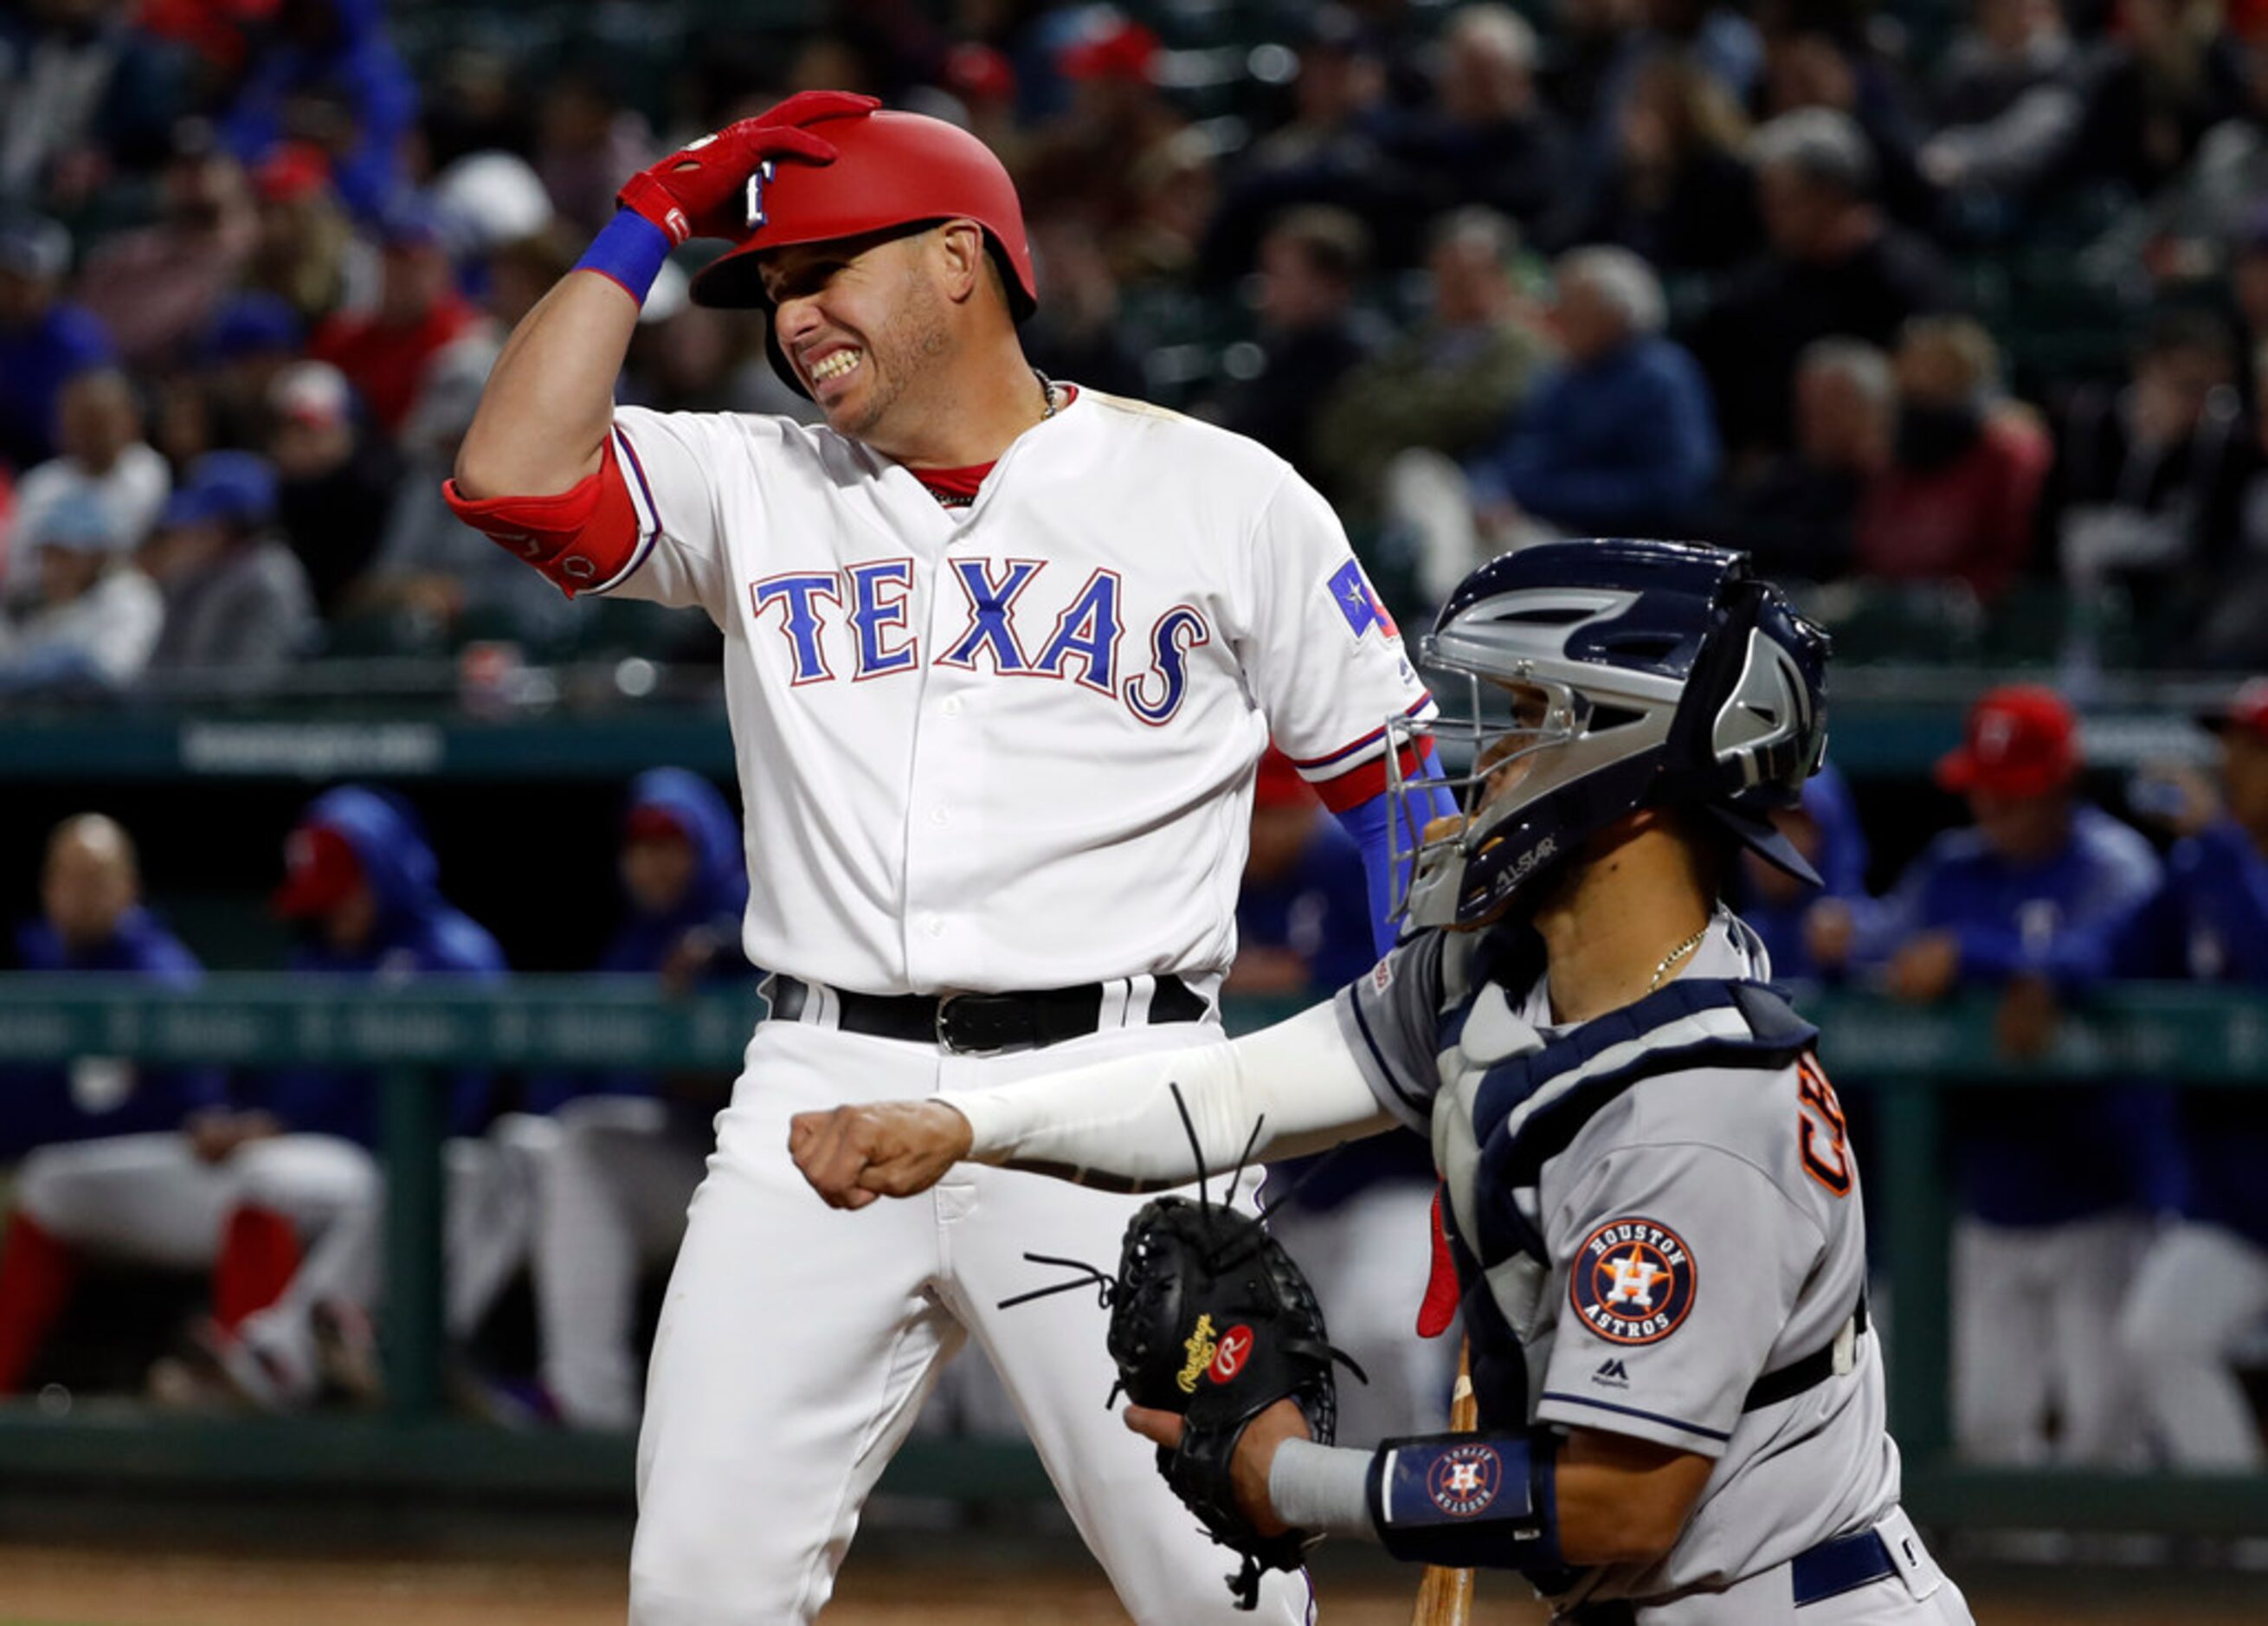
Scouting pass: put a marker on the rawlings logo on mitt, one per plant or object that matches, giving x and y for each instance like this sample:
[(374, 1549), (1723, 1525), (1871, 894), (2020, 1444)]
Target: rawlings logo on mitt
[(1210, 1319)]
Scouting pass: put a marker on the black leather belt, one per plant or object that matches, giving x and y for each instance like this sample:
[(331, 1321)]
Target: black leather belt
[(1797, 1376), (1842, 1564), (979, 1023)]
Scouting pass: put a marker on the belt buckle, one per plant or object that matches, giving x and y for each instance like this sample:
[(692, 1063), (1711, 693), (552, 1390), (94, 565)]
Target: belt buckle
[(944, 1028)]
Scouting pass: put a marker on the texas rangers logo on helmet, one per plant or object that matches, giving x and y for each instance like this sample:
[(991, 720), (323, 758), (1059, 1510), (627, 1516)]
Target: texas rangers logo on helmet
[(1633, 1281), (759, 177), (1464, 1480)]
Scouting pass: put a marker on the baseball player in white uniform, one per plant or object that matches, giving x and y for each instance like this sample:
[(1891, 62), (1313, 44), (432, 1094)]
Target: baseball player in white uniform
[(1001, 655), (1649, 1198)]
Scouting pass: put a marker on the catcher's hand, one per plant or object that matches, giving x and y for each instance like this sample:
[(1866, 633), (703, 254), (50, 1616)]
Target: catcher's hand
[(697, 191), (1249, 1465), (1221, 1346)]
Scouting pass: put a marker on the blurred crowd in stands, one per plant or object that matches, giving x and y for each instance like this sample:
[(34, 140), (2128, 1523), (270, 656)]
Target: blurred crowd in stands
[(2110, 1266), (1963, 321), (1969, 310)]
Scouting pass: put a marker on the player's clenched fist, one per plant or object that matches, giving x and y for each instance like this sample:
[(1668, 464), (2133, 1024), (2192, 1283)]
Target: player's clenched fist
[(697, 191), (892, 1149)]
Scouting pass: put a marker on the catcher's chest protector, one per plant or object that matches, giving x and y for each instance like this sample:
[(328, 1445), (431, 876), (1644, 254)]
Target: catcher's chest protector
[(1510, 1101)]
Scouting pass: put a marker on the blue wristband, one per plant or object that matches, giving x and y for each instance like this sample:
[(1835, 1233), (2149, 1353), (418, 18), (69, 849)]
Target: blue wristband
[(629, 250)]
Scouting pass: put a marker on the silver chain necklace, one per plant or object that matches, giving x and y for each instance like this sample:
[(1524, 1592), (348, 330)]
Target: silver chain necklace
[(1677, 954), (1046, 394)]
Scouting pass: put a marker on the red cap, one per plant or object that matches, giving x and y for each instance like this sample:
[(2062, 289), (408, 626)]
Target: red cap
[(1279, 784), (321, 871), (649, 823), (2249, 710), (1118, 50), (979, 73), (2022, 740), (291, 172)]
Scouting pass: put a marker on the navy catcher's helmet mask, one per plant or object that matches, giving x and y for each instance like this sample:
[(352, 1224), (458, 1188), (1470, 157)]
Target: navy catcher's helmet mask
[(1591, 679)]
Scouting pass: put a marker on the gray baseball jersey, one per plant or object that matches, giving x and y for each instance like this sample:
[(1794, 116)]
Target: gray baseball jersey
[(1682, 1235)]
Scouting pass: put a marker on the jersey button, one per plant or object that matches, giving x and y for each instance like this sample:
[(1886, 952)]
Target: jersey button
[(940, 816), (952, 707), (931, 926)]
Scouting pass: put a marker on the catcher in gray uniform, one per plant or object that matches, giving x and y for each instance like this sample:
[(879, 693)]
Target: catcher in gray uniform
[(1649, 1199)]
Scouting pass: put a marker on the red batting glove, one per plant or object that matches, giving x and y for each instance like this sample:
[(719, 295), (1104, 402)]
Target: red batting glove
[(696, 191)]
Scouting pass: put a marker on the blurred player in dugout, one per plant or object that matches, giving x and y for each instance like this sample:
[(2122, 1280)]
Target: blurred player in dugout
[(2202, 1289), (274, 1187), (2055, 1188), (92, 920), (612, 1193)]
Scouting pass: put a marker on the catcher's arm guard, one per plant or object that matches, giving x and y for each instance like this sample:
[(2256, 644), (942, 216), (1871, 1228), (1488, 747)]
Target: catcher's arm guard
[(1468, 1501)]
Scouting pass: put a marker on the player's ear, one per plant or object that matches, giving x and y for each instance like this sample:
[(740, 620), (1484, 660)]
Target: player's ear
[(960, 249)]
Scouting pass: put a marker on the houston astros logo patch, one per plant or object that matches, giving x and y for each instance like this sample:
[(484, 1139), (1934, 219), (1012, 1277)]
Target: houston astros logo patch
[(1464, 1480), (1633, 1281)]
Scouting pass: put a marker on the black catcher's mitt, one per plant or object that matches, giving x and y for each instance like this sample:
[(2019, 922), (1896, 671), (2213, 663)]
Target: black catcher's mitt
[(1210, 1319)]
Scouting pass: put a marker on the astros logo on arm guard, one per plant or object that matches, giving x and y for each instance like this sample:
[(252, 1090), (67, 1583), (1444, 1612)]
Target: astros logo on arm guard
[(1632, 1280)]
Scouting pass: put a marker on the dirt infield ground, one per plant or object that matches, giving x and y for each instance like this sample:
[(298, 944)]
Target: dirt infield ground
[(51, 1585)]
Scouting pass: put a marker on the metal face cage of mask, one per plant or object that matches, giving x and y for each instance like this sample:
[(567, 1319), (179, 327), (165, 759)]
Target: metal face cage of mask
[(1510, 739), (1582, 681)]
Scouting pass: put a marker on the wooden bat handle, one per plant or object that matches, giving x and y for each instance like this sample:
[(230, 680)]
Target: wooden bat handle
[(1444, 1597)]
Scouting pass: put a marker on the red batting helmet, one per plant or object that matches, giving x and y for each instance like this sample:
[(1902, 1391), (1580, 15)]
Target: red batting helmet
[(890, 169)]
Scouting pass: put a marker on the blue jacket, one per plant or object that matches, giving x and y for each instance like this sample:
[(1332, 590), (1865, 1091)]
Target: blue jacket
[(1842, 866), (714, 902), (360, 68), (2206, 922), (418, 934), (2026, 1158), (38, 1106), (1624, 446), (1320, 908)]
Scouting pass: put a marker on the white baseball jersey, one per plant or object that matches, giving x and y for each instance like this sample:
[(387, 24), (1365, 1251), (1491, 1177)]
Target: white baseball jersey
[(1010, 746)]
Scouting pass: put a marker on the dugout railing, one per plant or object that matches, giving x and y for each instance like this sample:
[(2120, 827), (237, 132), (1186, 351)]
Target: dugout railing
[(1904, 1059)]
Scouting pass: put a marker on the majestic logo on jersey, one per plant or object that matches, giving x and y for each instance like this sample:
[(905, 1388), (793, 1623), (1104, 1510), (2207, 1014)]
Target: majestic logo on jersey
[(1465, 1479), (1632, 1280), (1002, 633), (1199, 1347), (1612, 1373), (1358, 602), (1228, 1358)]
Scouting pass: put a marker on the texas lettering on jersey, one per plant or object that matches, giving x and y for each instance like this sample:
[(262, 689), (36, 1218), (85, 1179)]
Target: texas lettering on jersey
[(853, 623)]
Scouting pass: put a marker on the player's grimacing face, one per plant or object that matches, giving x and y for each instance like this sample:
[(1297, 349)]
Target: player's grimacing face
[(858, 318)]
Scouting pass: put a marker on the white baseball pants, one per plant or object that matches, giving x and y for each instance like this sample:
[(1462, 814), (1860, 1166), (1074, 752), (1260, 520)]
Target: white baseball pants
[(610, 1205), (1918, 1595), (797, 1344), (150, 1199), (2199, 1290), (2035, 1326), (488, 1207)]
